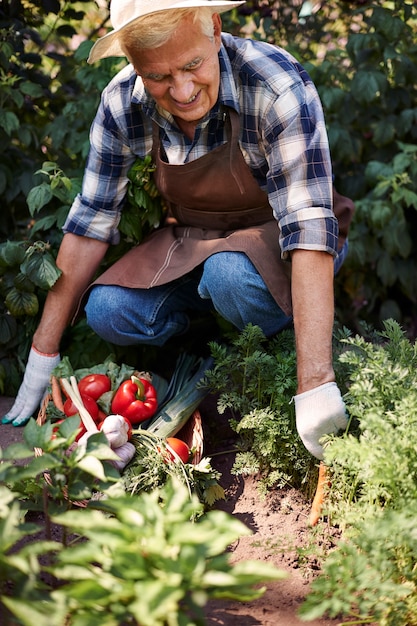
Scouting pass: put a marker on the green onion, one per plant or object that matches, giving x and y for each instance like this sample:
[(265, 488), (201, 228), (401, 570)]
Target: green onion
[(175, 413)]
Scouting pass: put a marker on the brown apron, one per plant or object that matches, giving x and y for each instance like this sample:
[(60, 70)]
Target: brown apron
[(218, 206)]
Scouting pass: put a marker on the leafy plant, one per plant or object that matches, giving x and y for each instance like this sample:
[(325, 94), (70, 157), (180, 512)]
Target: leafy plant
[(371, 575), (177, 565), (123, 559), (27, 272), (367, 62), (256, 380)]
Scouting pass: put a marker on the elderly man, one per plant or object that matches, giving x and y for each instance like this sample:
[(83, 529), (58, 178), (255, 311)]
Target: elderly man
[(236, 131)]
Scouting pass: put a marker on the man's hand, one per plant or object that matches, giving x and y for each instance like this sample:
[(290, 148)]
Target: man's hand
[(320, 411), (35, 381)]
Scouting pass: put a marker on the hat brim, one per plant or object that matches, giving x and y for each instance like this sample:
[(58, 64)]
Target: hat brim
[(109, 46)]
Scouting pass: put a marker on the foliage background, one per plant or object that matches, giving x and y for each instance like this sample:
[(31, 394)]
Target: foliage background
[(363, 58)]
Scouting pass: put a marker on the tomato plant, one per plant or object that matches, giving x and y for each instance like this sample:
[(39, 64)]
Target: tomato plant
[(94, 385)]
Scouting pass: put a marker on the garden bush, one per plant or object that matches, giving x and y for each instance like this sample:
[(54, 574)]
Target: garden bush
[(152, 559)]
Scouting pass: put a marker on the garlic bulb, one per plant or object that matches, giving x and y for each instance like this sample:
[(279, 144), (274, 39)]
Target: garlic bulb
[(116, 430), (126, 453)]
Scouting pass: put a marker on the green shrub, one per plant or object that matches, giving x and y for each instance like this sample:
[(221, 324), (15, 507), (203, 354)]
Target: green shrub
[(371, 575), (123, 559)]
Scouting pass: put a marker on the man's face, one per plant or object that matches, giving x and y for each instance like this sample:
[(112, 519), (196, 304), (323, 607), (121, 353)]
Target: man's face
[(183, 75)]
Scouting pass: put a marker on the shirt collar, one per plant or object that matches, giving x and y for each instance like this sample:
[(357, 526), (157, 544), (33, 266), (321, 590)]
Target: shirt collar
[(228, 95)]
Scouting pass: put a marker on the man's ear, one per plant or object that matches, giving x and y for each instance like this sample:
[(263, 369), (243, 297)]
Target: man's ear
[(217, 24)]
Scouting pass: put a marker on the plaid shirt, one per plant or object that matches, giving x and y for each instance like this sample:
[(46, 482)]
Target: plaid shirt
[(282, 137)]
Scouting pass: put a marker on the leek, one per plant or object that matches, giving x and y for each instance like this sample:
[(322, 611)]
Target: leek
[(174, 413)]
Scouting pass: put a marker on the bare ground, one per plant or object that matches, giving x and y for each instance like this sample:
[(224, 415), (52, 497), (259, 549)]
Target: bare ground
[(280, 531)]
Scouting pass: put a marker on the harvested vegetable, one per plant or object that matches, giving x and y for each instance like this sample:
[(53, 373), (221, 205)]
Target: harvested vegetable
[(176, 448), (90, 404), (56, 394), (126, 452), (94, 385), (176, 412), (142, 466), (116, 429), (135, 399), (318, 501)]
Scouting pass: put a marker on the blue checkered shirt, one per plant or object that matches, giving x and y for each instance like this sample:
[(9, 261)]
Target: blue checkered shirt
[(282, 137)]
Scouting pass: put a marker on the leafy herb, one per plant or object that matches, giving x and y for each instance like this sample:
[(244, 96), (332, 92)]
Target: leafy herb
[(256, 380), (150, 469), (371, 576)]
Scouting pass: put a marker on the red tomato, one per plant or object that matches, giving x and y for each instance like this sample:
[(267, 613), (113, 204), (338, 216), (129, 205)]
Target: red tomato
[(90, 404), (101, 415), (83, 430), (94, 385), (180, 447)]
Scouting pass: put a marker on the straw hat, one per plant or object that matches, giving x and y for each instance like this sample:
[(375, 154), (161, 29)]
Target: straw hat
[(124, 12)]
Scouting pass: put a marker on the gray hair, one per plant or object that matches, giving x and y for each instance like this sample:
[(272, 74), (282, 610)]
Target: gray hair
[(154, 30)]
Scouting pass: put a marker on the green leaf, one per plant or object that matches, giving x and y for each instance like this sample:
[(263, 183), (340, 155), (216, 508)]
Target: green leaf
[(8, 328), (43, 224), (23, 283), (41, 268), (93, 466), (405, 196), (18, 451), (31, 89), (37, 436), (12, 253), (9, 122), (384, 132), (38, 197), (21, 303), (367, 86), (31, 612)]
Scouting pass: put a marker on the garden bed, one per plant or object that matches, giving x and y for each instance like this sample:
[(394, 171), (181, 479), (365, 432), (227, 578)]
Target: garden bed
[(279, 525)]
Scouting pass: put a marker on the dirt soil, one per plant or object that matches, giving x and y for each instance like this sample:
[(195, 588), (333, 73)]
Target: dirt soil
[(279, 526)]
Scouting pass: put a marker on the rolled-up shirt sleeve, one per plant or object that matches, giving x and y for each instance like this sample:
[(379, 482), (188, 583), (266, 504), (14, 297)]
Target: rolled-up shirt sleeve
[(299, 181)]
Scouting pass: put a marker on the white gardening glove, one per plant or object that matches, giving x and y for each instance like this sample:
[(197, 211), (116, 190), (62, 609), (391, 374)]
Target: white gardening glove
[(319, 411), (35, 382)]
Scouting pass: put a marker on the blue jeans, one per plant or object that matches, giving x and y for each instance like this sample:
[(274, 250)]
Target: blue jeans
[(227, 282)]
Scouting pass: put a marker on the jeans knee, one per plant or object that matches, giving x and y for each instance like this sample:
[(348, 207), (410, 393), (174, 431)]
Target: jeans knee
[(102, 311), (225, 279), (239, 293), (219, 275)]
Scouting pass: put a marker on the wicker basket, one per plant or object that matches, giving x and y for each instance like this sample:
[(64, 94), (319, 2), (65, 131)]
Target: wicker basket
[(191, 433)]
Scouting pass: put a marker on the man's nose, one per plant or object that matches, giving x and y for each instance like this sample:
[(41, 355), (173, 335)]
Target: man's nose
[(182, 88)]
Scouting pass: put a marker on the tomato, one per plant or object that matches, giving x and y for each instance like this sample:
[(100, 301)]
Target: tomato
[(94, 385), (179, 447), (90, 404), (101, 415), (82, 432)]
